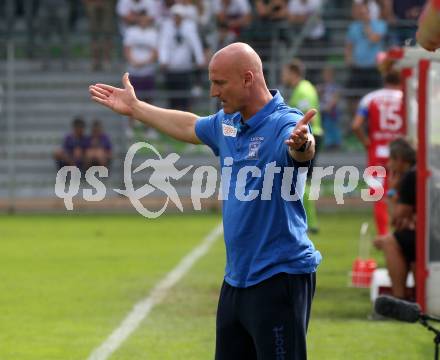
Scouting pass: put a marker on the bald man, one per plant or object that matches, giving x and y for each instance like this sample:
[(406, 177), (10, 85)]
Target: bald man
[(269, 282)]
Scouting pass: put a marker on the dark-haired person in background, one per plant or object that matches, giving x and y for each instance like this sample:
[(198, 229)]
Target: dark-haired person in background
[(399, 247), (74, 147), (381, 111)]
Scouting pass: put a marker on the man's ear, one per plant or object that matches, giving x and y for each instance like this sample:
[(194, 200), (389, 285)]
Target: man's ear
[(248, 79)]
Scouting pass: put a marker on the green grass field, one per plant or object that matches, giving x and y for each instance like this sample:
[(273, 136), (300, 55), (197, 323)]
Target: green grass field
[(67, 281)]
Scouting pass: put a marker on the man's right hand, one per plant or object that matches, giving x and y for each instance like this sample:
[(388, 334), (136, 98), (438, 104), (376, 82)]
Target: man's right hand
[(119, 100)]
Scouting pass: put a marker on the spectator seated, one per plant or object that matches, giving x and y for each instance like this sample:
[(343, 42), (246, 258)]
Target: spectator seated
[(399, 247), (74, 147)]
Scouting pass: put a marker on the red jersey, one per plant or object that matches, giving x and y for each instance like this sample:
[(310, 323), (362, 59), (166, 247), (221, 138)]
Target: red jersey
[(383, 111)]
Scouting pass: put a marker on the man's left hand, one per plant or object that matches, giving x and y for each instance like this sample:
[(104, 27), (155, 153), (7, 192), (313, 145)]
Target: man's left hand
[(300, 134)]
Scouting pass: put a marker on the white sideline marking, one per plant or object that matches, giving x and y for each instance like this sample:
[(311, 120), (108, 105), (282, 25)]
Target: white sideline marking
[(143, 308)]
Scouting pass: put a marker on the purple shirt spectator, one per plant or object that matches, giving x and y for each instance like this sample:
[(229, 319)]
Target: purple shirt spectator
[(71, 142), (74, 146), (100, 141)]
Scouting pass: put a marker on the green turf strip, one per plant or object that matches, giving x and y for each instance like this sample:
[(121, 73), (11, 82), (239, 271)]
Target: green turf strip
[(67, 282)]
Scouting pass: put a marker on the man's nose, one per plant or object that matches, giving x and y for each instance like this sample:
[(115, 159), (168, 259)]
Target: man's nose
[(213, 92)]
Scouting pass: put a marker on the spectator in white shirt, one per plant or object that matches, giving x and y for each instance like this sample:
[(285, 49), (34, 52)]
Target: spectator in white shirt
[(299, 12), (179, 44), (233, 15), (200, 11), (140, 50), (164, 10), (129, 10)]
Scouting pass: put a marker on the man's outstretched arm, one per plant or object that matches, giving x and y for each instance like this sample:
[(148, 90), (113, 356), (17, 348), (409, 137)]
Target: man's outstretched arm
[(301, 142), (179, 125)]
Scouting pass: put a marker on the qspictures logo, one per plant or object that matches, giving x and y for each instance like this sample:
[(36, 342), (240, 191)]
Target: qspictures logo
[(164, 174)]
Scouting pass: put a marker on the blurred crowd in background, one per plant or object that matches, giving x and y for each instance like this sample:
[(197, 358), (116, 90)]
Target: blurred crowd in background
[(209, 24), (174, 39)]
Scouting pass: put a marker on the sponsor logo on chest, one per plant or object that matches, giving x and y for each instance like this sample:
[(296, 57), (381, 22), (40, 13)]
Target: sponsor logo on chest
[(229, 130)]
